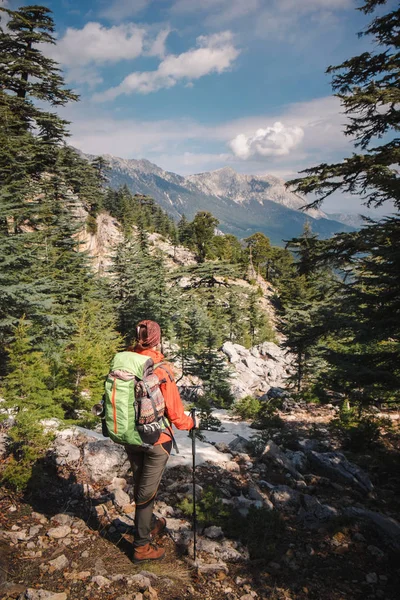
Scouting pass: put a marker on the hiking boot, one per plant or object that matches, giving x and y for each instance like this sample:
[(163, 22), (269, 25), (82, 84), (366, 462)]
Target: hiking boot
[(148, 552), (159, 527)]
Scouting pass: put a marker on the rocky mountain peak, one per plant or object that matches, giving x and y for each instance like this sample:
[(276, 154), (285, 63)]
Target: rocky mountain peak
[(243, 204), (242, 188)]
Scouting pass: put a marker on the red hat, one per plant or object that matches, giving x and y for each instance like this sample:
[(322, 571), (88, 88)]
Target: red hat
[(148, 334)]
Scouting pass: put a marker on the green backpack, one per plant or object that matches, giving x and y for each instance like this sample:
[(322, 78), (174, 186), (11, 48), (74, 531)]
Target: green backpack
[(133, 403)]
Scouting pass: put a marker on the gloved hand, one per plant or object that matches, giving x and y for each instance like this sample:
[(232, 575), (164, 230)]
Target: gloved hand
[(196, 422)]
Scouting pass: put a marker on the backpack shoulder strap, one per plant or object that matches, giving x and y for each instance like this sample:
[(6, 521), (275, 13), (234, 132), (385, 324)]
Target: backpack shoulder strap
[(162, 365)]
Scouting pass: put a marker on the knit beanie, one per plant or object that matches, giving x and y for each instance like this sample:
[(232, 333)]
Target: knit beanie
[(148, 334)]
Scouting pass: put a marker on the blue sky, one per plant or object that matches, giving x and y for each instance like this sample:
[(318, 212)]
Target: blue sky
[(195, 85)]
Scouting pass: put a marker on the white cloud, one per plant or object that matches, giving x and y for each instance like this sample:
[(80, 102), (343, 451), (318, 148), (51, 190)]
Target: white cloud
[(83, 51), (213, 54), (87, 75), (156, 47), (117, 10), (98, 44), (277, 140), (102, 134), (192, 146)]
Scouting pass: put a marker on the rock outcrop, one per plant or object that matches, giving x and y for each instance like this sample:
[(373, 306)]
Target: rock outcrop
[(258, 369)]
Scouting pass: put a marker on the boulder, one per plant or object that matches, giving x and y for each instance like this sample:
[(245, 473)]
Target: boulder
[(103, 460), (229, 350), (298, 460), (232, 466), (241, 350), (277, 392), (314, 514), (335, 466), (257, 495), (239, 389), (285, 498), (274, 453), (120, 498), (213, 532), (252, 364), (59, 532), (212, 568), (59, 563), (141, 581), (239, 444), (387, 527), (65, 452), (272, 350), (101, 581)]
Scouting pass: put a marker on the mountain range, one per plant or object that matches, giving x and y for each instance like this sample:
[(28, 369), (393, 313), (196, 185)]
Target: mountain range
[(243, 204)]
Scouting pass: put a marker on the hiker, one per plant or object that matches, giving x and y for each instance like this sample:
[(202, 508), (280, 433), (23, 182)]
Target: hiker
[(148, 464)]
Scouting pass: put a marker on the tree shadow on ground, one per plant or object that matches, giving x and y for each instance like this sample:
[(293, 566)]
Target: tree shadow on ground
[(330, 561)]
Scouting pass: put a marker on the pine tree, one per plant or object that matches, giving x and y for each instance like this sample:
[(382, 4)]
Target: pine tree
[(139, 284), (260, 248), (259, 327), (28, 74), (203, 228), (26, 386), (363, 352), (191, 326), (308, 296), (214, 372), (234, 311), (101, 166), (86, 358), (26, 390), (367, 86), (185, 232), (26, 159)]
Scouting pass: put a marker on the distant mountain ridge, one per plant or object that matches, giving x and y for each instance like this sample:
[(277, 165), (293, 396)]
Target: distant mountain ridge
[(226, 182), (244, 204)]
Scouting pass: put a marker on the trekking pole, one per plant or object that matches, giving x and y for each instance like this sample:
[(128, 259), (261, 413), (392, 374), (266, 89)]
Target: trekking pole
[(193, 415)]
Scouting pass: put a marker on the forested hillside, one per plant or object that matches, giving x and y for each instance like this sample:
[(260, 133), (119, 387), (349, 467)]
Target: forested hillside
[(62, 319)]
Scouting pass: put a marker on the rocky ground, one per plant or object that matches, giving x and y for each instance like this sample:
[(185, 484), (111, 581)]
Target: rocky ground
[(326, 525)]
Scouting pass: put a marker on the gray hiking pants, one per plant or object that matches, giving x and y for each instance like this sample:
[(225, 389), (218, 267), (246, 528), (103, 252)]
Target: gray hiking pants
[(148, 465)]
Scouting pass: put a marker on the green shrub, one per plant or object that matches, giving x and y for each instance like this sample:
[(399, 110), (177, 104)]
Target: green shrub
[(247, 408), (263, 414), (364, 434), (267, 417), (91, 225), (360, 432), (28, 444), (268, 420), (205, 405), (210, 509)]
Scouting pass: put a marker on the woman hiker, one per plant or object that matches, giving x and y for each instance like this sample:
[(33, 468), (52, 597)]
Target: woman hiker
[(148, 464)]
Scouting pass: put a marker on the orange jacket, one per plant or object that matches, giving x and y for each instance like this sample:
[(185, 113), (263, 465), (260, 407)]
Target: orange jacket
[(174, 410)]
